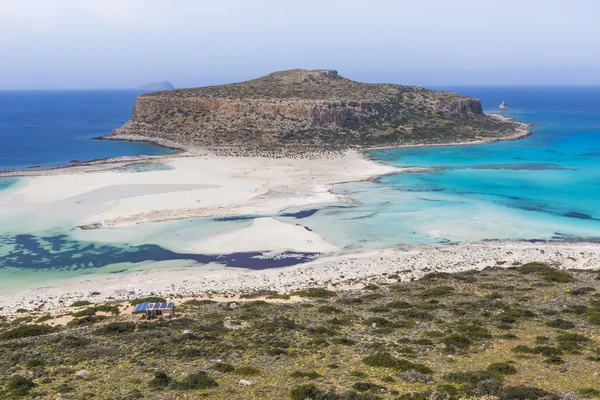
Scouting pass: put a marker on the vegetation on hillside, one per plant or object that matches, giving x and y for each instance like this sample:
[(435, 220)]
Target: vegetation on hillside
[(528, 332)]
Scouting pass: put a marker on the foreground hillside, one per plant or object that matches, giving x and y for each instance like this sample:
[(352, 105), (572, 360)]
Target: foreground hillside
[(531, 332), (311, 110)]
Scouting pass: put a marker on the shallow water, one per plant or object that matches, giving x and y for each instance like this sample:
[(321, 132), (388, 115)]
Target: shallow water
[(144, 167)]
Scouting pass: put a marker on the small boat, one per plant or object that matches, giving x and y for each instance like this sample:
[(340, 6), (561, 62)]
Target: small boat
[(503, 105)]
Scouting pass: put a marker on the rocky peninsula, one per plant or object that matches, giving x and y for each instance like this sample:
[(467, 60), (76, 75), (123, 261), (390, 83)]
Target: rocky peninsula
[(310, 110)]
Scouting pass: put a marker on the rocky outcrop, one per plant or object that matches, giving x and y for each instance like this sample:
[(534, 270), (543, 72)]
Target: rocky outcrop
[(310, 109)]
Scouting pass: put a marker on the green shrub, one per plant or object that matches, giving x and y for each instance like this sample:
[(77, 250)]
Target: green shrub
[(423, 342), (400, 305), (547, 351), (523, 349), (366, 386), (380, 322), (474, 332), (502, 368), (315, 293), (554, 360), (547, 272), (19, 385), (197, 303), (255, 304), (344, 341), (449, 390), (151, 299), (582, 291), (457, 342), (560, 324), (350, 300), (572, 342), (386, 360), (418, 315), (65, 388), (589, 393), (508, 336), (89, 320), (524, 393), (306, 374), (534, 267), (306, 392), (115, 328), (222, 367), (438, 291), (279, 296), (405, 365), (328, 309), (247, 371), (542, 339), (190, 352), (44, 318), (25, 331), (93, 310), (311, 392), (593, 317), (160, 381), (512, 316), (81, 303), (433, 334), (197, 381)]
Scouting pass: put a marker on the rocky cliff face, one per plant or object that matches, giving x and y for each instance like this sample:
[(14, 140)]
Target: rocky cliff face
[(310, 109)]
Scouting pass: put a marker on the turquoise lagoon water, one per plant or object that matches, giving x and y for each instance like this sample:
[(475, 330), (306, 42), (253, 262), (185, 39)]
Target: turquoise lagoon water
[(542, 187)]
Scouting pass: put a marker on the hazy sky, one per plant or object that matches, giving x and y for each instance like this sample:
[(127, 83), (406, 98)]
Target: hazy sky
[(126, 43)]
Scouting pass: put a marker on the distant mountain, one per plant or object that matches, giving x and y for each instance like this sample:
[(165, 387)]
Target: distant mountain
[(163, 85)]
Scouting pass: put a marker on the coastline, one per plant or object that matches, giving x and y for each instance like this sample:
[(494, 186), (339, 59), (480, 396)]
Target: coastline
[(337, 272)]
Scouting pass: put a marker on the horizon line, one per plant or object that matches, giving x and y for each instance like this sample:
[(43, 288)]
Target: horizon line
[(449, 85)]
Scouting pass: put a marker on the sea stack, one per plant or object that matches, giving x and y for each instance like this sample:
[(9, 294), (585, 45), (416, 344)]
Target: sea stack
[(503, 105)]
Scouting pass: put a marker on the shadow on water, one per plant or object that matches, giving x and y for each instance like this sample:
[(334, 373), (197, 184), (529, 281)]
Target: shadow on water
[(58, 252)]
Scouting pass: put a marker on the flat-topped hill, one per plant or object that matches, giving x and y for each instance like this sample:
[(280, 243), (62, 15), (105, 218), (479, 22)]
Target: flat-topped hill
[(309, 110)]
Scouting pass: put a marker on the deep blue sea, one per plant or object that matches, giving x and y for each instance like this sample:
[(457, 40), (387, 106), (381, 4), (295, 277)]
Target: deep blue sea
[(55, 127), (542, 187)]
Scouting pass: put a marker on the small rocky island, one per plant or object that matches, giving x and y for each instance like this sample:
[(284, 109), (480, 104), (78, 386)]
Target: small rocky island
[(503, 105), (158, 86), (314, 109)]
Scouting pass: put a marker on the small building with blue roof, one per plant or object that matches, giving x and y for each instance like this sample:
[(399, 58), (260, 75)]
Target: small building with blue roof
[(154, 310)]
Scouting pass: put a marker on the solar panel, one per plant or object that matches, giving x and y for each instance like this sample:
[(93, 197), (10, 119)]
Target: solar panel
[(171, 305), (141, 307), (163, 306)]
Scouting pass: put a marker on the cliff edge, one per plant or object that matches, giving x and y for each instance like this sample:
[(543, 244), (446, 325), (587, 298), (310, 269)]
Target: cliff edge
[(303, 109)]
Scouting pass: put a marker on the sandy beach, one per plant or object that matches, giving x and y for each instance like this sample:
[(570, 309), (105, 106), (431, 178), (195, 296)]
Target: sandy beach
[(196, 186), (341, 271)]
